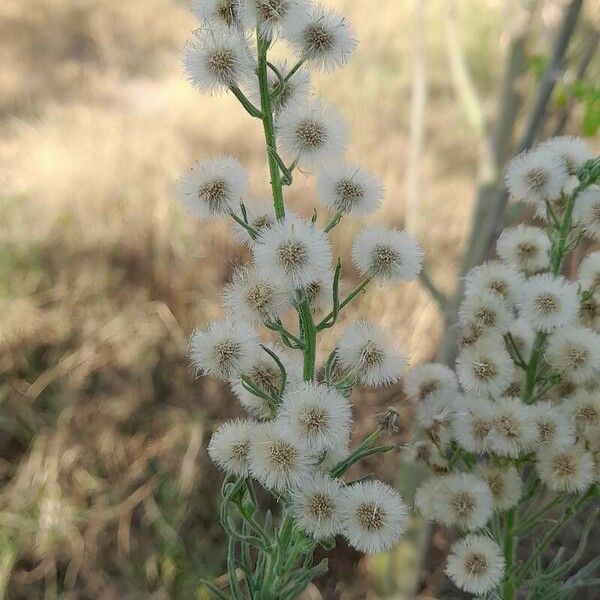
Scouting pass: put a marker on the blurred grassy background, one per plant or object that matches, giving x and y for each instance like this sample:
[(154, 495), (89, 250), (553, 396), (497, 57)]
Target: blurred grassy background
[(106, 488)]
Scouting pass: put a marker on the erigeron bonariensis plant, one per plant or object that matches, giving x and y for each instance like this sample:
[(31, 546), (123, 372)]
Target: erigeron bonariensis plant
[(512, 436), (294, 438)]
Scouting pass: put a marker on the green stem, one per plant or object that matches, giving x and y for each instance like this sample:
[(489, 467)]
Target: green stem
[(309, 339), (268, 126), (359, 288), (508, 549), (250, 108)]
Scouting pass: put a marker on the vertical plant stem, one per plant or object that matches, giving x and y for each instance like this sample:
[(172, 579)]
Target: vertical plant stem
[(508, 549), (309, 339), (269, 127)]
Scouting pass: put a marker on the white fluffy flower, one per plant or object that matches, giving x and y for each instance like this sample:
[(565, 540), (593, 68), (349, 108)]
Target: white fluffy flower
[(485, 366), (320, 291), (475, 564), (260, 215), (369, 351), (495, 276), (464, 500), (387, 254), (587, 211), (311, 133), (224, 349), (296, 89), (589, 272), (349, 188), (485, 311), (571, 151), (317, 416), (321, 37), (212, 187), (554, 426), (217, 59), (536, 176), (525, 247), (426, 379), (316, 506), (230, 444), (584, 407), (514, 429), (565, 470), (549, 302), (253, 297), (228, 13), (504, 483), (264, 373), (273, 15), (473, 420), (575, 351), (276, 461), (523, 336), (426, 496), (426, 452), (374, 516), (293, 251)]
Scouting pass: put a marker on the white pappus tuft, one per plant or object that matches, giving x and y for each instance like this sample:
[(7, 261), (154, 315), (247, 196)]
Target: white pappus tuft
[(260, 215), (497, 277), (584, 408), (313, 134), (589, 272), (228, 13), (348, 188), (212, 187), (571, 151), (321, 37), (575, 352), (525, 247), (215, 60), (374, 516), (514, 430), (504, 483), (473, 420), (536, 176), (230, 444), (485, 311), (316, 416), (293, 251), (586, 211), (279, 463), (387, 254), (565, 470), (475, 564), (554, 425), (224, 349), (367, 350), (274, 15), (549, 302), (316, 506), (424, 380)]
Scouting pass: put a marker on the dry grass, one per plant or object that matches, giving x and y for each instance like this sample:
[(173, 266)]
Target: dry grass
[(107, 492)]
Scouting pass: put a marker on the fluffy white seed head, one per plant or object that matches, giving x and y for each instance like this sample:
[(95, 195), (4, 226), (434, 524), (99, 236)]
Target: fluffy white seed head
[(497, 277), (523, 336), (536, 176), (253, 297), (424, 452), (319, 291), (485, 311), (312, 133), (554, 424), (473, 420), (293, 251), (575, 352), (216, 59), (374, 516), (426, 496), (321, 37), (387, 254), (565, 470), (316, 506), (349, 188), (586, 211), (514, 429), (316, 416), (465, 501), (584, 409), (212, 187), (223, 13), (278, 462), (475, 564), (548, 302), (224, 349), (571, 151), (504, 483), (485, 367), (274, 15), (525, 247), (589, 272), (230, 444), (424, 380), (367, 350), (260, 214), (265, 374)]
